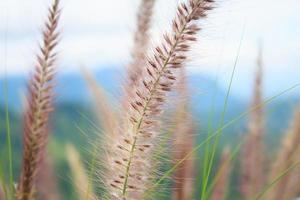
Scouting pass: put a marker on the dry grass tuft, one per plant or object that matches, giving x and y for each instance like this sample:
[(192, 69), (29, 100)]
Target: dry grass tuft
[(139, 50), (222, 177), (132, 149), (288, 187), (141, 41), (39, 107), (252, 155), (47, 187), (80, 178), (183, 137), (129, 168), (105, 113)]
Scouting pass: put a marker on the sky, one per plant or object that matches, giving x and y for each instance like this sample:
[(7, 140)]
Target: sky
[(98, 34)]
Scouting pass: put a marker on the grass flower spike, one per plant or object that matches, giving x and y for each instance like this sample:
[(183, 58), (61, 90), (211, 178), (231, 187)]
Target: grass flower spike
[(130, 170), (183, 135), (252, 155), (39, 107), (222, 180), (141, 41), (287, 156)]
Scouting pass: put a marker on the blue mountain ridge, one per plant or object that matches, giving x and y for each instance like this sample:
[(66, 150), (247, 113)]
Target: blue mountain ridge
[(71, 87), (207, 96)]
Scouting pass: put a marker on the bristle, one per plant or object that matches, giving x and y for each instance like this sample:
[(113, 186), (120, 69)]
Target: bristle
[(287, 156), (221, 184), (185, 174), (104, 110), (183, 137), (140, 123), (80, 179), (252, 155), (141, 40), (292, 188), (47, 188), (39, 107), (140, 47)]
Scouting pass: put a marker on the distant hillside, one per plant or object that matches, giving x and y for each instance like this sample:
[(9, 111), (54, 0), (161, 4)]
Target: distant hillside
[(72, 88), (207, 99), (73, 120)]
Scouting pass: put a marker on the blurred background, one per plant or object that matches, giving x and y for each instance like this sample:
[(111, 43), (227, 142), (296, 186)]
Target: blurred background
[(99, 34)]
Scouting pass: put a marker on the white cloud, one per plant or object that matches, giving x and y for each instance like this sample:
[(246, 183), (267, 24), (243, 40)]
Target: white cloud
[(100, 31)]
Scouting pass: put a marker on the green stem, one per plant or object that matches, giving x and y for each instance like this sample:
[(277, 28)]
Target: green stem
[(216, 142), (7, 122)]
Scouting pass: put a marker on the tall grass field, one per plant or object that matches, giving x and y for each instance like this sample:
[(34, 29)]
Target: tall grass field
[(144, 131)]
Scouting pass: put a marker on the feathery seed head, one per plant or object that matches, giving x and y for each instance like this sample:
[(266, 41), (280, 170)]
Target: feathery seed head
[(140, 47), (39, 106), (183, 142), (223, 176), (129, 158), (288, 155), (252, 155), (105, 113), (47, 187)]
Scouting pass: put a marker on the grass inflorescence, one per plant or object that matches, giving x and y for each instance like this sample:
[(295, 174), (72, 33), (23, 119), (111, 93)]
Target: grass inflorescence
[(147, 146)]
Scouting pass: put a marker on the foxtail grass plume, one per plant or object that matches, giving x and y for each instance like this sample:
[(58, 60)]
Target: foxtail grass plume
[(222, 181), (139, 49), (141, 41), (252, 155), (288, 187), (183, 136), (47, 188), (130, 167), (105, 113), (39, 106), (292, 190), (80, 178)]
